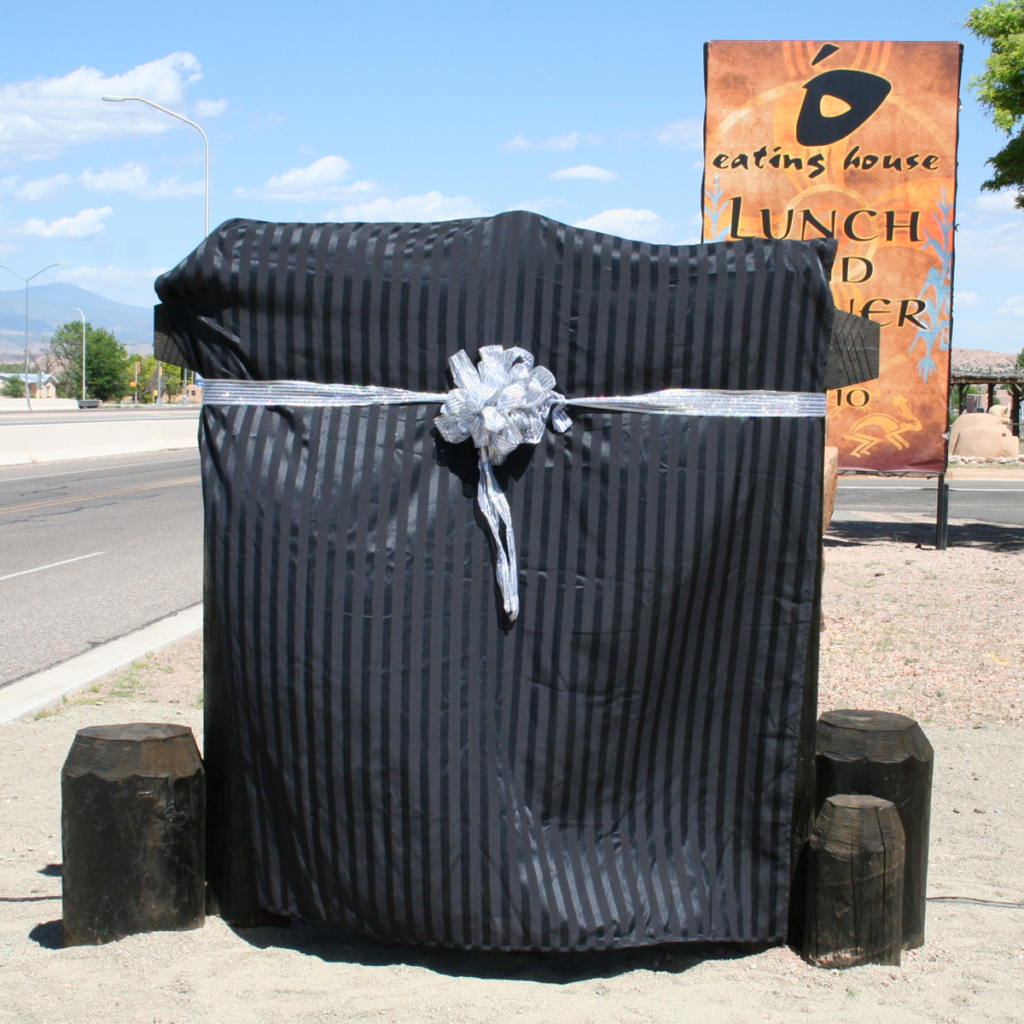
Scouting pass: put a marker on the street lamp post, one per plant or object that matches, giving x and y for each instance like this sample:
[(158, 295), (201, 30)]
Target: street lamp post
[(82, 315), (206, 219), (180, 117), (26, 280)]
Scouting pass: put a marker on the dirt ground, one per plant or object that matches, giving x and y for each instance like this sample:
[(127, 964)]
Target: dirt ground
[(937, 635)]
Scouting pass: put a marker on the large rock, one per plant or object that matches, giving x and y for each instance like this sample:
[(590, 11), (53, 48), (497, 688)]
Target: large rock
[(980, 435)]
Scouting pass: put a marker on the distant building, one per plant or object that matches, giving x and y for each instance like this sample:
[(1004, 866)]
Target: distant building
[(40, 385)]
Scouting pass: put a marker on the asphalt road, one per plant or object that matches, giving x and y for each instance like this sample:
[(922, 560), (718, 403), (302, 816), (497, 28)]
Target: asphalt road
[(92, 550), (129, 532), (988, 501)]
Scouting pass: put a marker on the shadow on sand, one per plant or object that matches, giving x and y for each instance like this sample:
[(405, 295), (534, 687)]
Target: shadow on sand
[(990, 536), (336, 945)]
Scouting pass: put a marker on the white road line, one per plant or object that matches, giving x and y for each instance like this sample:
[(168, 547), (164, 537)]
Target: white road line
[(904, 487), (97, 469), (52, 565)]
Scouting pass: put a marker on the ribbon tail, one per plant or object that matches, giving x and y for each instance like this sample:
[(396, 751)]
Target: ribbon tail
[(495, 508)]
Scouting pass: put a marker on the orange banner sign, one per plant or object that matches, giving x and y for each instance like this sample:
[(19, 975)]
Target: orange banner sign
[(854, 141)]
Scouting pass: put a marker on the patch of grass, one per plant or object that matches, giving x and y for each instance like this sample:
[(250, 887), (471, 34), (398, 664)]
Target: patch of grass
[(128, 683)]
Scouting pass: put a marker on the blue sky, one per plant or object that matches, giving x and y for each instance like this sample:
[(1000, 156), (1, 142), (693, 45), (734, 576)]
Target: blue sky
[(588, 112)]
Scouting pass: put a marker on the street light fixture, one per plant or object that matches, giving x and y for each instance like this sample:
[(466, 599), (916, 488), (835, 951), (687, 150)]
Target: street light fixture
[(82, 315), (180, 117), (26, 280), (206, 220)]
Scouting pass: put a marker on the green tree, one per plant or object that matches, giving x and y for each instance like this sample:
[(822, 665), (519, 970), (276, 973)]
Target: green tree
[(1000, 87), (149, 376), (106, 362), (13, 388)]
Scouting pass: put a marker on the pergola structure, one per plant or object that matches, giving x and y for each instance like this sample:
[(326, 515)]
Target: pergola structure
[(961, 378)]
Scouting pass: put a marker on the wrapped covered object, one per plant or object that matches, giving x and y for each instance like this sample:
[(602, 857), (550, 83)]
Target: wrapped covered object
[(625, 762)]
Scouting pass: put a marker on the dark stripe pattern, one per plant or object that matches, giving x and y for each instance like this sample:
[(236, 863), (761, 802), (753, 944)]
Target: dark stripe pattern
[(618, 767)]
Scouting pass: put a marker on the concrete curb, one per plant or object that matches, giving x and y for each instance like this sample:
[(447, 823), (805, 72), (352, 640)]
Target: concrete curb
[(25, 443), (38, 405), (30, 694)]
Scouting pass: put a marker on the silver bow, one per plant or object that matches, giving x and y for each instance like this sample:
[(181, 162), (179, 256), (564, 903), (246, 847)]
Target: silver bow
[(502, 402)]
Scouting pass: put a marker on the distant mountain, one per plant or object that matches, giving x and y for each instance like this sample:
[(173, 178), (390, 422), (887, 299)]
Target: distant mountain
[(50, 305), (982, 359)]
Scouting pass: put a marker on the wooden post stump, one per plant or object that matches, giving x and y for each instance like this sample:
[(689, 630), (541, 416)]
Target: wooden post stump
[(134, 803), (855, 883), (888, 756)]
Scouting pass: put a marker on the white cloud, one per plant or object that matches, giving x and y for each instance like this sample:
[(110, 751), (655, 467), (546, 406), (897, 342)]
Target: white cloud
[(995, 202), (327, 179), (645, 225), (586, 171), (1013, 306), (133, 179), (118, 283), (82, 225), (431, 206), (321, 180), (130, 177), (968, 299), (998, 249), (35, 191), (210, 108), (686, 134), (564, 143), (41, 117)]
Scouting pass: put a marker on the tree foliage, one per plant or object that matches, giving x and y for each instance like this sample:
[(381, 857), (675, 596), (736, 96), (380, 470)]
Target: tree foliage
[(149, 376), (13, 387), (106, 362), (1000, 88)]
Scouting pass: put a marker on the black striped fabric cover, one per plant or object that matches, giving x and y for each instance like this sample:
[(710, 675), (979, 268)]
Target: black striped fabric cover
[(617, 768)]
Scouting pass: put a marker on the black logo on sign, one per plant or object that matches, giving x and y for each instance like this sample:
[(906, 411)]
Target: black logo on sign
[(862, 92)]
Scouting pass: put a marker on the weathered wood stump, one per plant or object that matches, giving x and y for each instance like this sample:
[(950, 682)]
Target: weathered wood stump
[(855, 883), (134, 803), (885, 755)]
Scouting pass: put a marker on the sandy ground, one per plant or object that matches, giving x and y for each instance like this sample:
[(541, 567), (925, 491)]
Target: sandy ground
[(937, 635)]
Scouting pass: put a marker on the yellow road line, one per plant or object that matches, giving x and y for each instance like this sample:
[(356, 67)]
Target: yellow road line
[(89, 497)]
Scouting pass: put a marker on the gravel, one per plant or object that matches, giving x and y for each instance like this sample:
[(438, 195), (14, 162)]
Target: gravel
[(936, 635)]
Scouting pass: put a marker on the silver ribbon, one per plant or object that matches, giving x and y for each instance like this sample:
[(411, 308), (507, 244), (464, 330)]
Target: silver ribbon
[(502, 402), (505, 401)]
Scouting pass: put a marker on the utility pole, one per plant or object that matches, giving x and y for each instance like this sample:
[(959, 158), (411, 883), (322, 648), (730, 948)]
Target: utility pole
[(82, 315), (26, 280), (206, 208)]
